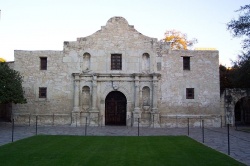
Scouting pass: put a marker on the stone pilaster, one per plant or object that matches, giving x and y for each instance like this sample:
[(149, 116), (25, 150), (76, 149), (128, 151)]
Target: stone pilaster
[(76, 108), (155, 93), (136, 113), (137, 90), (94, 93), (94, 112), (154, 110)]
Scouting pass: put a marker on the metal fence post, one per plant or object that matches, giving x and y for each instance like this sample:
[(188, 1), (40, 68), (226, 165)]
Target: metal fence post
[(153, 121), (202, 131), (98, 119), (127, 121), (221, 121), (36, 124), (76, 119), (176, 123), (138, 127), (200, 122), (12, 130), (86, 126), (102, 121), (29, 119), (188, 126), (160, 120), (228, 140), (53, 119)]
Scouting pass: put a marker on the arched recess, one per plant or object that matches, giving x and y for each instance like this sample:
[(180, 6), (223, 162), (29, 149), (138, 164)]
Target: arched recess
[(145, 62), (115, 108), (86, 98), (146, 96), (242, 111), (86, 61)]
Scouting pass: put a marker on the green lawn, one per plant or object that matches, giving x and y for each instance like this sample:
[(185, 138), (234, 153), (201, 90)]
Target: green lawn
[(111, 151)]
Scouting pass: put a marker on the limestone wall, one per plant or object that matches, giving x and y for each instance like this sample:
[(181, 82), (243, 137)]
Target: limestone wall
[(203, 76), (149, 71), (56, 78)]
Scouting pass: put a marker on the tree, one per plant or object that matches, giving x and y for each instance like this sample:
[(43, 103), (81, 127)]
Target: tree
[(241, 26), (2, 60), (11, 90), (178, 40), (225, 78), (241, 71), (241, 67)]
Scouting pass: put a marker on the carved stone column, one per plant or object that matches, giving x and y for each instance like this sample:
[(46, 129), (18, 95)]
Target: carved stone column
[(76, 108), (94, 93), (94, 112), (155, 93), (136, 113), (137, 93), (154, 111)]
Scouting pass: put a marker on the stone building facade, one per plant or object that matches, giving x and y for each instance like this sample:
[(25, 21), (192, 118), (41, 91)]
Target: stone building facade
[(118, 75)]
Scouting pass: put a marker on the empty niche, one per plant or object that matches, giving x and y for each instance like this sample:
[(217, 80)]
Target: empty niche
[(85, 98), (145, 98), (86, 61), (145, 62)]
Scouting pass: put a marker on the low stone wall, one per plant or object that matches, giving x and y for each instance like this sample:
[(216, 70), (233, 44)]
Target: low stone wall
[(191, 120), (146, 120), (42, 119)]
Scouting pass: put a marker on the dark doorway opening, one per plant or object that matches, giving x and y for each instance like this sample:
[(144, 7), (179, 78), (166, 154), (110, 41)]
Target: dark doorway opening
[(242, 111), (5, 112), (115, 109)]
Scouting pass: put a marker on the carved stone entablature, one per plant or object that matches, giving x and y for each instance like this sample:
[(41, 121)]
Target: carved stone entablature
[(76, 76), (119, 77)]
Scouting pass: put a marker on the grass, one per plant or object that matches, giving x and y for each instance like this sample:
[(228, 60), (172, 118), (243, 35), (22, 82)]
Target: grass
[(111, 151)]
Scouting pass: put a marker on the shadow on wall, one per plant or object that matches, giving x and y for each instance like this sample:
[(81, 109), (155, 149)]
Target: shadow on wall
[(5, 112)]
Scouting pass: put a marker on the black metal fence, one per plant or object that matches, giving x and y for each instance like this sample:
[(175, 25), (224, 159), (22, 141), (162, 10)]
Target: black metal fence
[(197, 128)]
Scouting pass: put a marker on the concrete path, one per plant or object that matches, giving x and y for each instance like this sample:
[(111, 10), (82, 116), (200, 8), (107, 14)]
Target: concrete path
[(215, 138)]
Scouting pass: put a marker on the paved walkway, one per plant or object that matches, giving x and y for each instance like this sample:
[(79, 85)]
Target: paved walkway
[(215, 138)]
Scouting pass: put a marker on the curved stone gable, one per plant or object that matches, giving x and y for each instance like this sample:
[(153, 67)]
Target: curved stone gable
[(117, 21), (117, 33)]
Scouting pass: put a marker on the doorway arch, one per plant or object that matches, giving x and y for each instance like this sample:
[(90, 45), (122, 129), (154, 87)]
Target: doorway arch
[(115, 109), (242, 111)]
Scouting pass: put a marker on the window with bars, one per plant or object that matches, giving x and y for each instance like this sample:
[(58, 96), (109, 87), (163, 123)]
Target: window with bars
[(116, 61), (186, 63), (42, 92), (190, 93), (43, 63)]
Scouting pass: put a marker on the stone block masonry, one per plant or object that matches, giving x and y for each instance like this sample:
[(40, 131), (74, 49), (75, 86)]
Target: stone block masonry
[(142, 77)]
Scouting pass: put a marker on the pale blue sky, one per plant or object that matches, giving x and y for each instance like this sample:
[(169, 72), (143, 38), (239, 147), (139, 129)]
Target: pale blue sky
[(45, 24)]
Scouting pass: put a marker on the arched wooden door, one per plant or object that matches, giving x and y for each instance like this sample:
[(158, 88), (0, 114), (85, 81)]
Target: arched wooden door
[(115, 109)]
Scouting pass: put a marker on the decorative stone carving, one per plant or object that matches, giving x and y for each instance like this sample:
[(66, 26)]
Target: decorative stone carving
[(115, 85), (85, 98)]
